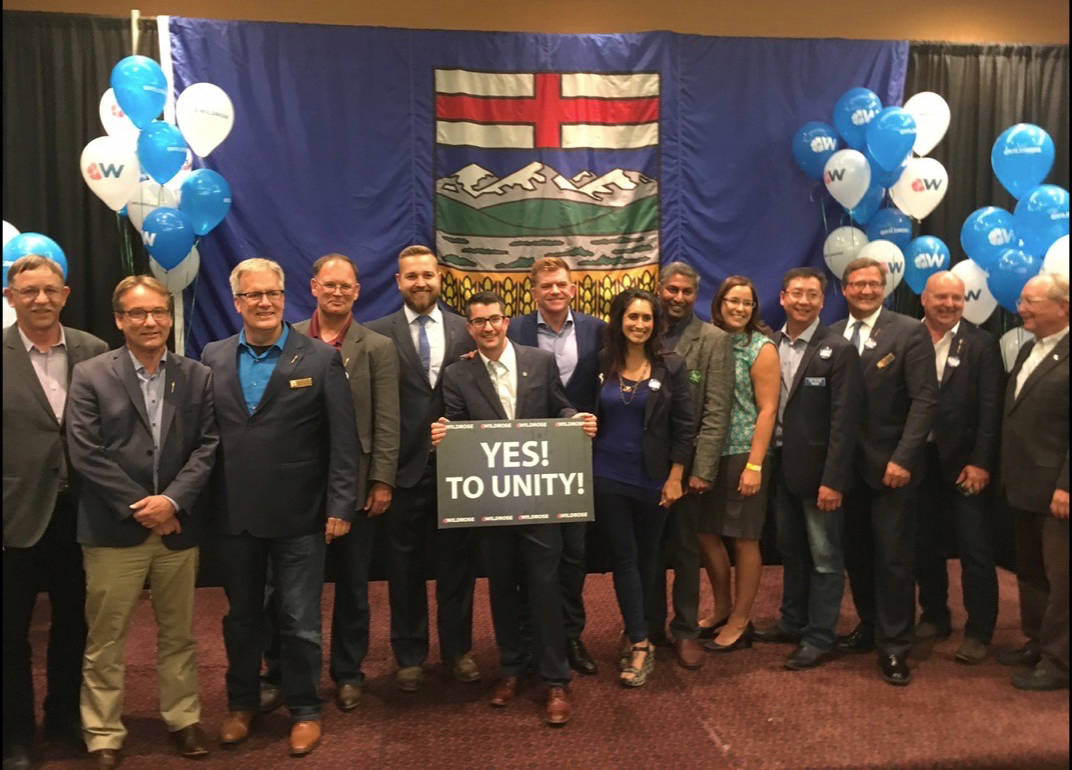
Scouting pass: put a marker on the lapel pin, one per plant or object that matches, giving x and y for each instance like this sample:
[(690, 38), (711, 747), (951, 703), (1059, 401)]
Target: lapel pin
[(953, 361), (870, 344), (294, 359), (654, 385), (172, 387), (826, 351)]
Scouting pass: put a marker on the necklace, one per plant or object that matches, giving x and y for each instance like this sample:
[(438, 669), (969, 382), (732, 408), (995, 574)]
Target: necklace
[(632, 388)]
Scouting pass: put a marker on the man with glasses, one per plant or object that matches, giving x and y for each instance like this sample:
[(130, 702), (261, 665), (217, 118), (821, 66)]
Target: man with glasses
[(1034, 471), (901, 387), (40, 506), (285, 485), (372, 369), (426, 338), (142, 436)]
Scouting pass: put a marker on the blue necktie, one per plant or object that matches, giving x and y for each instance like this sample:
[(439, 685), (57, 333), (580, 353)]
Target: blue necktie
[(855, 339), (424, 350)]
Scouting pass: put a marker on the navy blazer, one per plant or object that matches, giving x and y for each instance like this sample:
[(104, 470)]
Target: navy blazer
[(292, 462), (583, 383)]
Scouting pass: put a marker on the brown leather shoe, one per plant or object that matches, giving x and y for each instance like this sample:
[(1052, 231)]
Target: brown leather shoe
[(558, 707), (347, 696), (191, 741), (690, 654), (235, 727), (505, 691), (106, 759), (304, 737)]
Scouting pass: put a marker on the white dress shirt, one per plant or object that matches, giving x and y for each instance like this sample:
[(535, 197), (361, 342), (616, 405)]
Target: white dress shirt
[(866, 325), (437, 338), (51, 370), (941, 351), (504, 377), (1043, 347)]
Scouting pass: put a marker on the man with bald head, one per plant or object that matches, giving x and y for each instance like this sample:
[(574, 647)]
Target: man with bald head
[(1034, 471), (960, 457)]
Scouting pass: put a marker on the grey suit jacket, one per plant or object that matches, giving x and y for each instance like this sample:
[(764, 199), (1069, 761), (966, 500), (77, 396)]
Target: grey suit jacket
[(708, 354), (35, 462), (372, 368), (1034, 432), (111, 446)]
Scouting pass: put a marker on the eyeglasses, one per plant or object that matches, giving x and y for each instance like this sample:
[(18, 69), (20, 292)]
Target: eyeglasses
[(31, 292), (858, 285), (1031, 300), (799, 294), (331, 287), (256, 296), (138, 315), (734, 302), (480, 323)]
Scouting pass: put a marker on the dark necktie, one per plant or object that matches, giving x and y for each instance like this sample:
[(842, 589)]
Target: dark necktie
[(855, 339), (424, 350)]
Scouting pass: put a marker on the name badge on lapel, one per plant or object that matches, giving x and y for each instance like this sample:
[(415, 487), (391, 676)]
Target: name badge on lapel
[(695, 377), (952, 361), (885, 361), (654, 385), (815, 382), (825, 352), (870, 344), (304, 382)]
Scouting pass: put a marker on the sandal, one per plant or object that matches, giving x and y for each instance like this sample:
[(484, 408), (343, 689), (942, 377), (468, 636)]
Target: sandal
[(639, 676)]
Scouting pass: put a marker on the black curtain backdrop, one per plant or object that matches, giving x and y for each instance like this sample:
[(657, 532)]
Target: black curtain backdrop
[(56, 67)]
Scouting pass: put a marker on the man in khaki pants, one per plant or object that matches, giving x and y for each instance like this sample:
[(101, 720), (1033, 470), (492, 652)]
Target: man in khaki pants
[(142, 435)]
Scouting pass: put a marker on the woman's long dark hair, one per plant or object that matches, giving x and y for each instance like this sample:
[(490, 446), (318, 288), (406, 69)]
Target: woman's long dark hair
[(614, 340), (755, 321)]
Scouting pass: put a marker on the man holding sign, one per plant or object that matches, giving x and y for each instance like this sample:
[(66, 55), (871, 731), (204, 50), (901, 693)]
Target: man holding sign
[(505, 382)]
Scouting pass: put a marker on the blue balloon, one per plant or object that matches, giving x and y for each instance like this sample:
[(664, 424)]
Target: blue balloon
[(925, 256), (986, 233), (1013, 269), (853, 111), (33, 243), (813, 145), (140, 88), (1041, 217), (890, 224), (1022, 157), (890, 137), (161, 150), (206, 199), (168, 236), (880, 175), (868, 205)]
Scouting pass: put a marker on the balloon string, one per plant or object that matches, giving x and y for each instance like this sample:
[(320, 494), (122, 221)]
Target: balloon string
[(193, 297), (124, 245), (822, 209)]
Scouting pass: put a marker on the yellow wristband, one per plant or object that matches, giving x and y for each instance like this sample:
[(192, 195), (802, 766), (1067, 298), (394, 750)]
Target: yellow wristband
[(753, 467)]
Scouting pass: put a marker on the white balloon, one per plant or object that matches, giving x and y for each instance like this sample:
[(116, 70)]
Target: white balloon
[(891, 255), (148, 196), (847, 175), (979, 303), (1011, 342), (110, 168), (179, 277), (1056, 260), (205, 116), (10, 231), (116, 122), (932, 120), (921, 187), (9, 312), (841, 247)]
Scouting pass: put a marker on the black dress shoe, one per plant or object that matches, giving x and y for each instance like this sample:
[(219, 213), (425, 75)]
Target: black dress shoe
[(1028, 656), (271, 697), (1039, 681), (106, 759), (741, 642), (710, 632), (776, 634), (806, 656), (579, 659), (895, 669), (860, 640), (17, 757), (191, 741)]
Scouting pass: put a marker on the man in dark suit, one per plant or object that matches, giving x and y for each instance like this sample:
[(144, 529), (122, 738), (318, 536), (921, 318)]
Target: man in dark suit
[(40, 506), (897, 359), (426, 338), (372, 369), (708, 355), (1034, 472), (506, 382), (961, 454), (285, 484), (820, 412), (142, 436), (575, 339)]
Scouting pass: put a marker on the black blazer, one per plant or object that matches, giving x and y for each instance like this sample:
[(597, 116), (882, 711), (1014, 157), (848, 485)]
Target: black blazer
[(581, 388), (419, 402), (967, 420), (669, 426), (902, 390), (823, 414), (284, 468), (1034, 446), (111, 446)]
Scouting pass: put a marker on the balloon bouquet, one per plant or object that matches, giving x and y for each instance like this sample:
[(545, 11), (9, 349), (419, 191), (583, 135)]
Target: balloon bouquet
[(143, 167), (886, 155)]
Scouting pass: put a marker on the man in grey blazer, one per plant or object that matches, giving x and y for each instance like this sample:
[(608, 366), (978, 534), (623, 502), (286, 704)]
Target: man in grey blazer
[(708, 354), (1034, 470), (142, 436), (40, 549), (372, 369)]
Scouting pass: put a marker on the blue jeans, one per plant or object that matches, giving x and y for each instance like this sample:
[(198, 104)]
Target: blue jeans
[(813, 581), (297, 576)]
